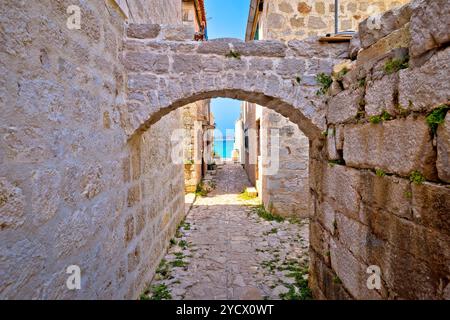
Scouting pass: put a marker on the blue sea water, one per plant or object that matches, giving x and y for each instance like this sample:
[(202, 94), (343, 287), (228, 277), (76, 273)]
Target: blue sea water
[(224, 148)]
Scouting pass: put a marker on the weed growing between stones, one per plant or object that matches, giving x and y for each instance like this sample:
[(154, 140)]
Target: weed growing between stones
[(160, 292), (266, 215), (233, 54), (380, 173), (332, 163), (325, 81), (375, 119), (362, 82), (417, 177), (340, 75), (396, 64), (200, 190), (437, 117)]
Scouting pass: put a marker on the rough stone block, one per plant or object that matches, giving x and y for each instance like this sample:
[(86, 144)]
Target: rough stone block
[(378, 26), (388, 193), (291, 68), (396, 40), (177, 32), (214, 47), (146, 61), (443, 150), (424, 88), (313, 48), (380, 95), (143, 31), (335, 178), (12, 205), (399, 146), (344, 106), (430, 25), (431, 206), (331, 145), (351, 272), (265, 48)]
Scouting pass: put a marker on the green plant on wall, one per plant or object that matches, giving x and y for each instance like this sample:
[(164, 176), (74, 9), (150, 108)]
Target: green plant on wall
[(393, 65), (417, 177), (437, 117), (233, 54), (325, 81)]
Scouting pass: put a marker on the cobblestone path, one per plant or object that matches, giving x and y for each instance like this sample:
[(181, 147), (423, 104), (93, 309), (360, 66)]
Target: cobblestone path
[(225, 250)]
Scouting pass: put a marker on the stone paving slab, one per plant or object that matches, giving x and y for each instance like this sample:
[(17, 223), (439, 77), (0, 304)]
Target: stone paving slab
[(224, 250)]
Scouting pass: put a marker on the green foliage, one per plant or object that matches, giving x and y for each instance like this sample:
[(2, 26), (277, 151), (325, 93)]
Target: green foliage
[(266, 215), (160, 292), (300, 289), (362, 82), (163, 269), (178, 263), (340, 75), (183, 244), (417, 177), (186, 226), (437, 117), (144, 296), (337, 280), (173, 241), (375, 119), (189, 162), (385, 116), (332, 163), (325, 81), (380, 173), (200, 190), (233, 54), (396, 64), (408, 194)]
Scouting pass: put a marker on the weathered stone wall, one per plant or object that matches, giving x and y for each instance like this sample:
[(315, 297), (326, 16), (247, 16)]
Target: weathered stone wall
[(298, 19), (196, 121), (286, 190), (383, 197), (67, 196)]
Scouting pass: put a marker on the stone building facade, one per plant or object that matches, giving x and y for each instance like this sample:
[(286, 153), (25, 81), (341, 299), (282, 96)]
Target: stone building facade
[(297, 19), (198, 122), (64, 152), (286, 191)]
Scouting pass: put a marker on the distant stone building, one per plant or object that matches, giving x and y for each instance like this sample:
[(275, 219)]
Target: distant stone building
[(198, 120), (198, 123), (284, 189)]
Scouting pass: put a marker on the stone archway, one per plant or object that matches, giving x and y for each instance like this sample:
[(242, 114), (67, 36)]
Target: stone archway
[(166, 72)]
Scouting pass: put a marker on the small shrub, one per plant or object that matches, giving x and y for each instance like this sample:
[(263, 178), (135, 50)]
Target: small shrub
[(396, 64), (325, 81), (417, 177), (233, 54), (178, 263), (173, 242), (437, 117), (380, 173)]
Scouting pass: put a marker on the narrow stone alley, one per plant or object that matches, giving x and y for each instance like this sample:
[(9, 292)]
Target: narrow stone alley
[(228, 247)]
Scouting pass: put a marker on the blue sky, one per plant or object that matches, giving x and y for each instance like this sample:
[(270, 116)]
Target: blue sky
[(226, 19)]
